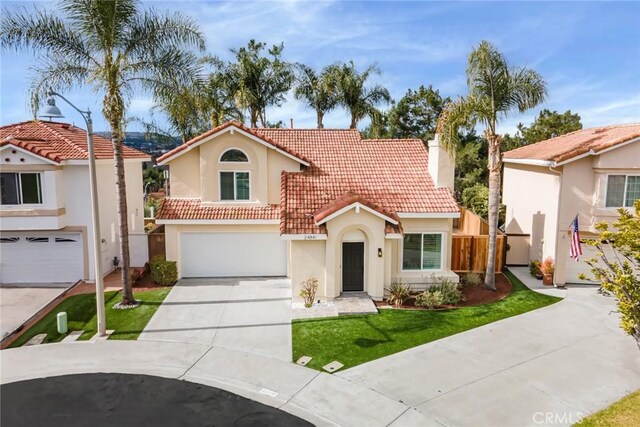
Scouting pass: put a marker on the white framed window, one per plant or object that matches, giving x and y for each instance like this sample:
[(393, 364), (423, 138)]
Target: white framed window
[(20, 188), (234, 155), (622, 191), (235, 185), (422, 251)]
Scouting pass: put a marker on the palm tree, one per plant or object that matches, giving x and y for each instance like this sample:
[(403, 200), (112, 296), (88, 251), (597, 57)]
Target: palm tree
[(495, 90), (354, 95), (114, 47), (318, 91)]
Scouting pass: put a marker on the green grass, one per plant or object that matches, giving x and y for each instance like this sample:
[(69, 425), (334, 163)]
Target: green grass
[(81, 316), (358, 339), (623, 413)]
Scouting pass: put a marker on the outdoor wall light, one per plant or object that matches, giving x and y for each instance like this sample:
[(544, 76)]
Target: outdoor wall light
[(379, 252)]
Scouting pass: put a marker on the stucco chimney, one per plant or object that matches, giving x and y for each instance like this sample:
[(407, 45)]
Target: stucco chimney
[(441, 164)]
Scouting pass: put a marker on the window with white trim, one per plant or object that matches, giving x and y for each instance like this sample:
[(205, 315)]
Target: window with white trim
[(422, 251), (622, 191), (235, 185), (20, 188)]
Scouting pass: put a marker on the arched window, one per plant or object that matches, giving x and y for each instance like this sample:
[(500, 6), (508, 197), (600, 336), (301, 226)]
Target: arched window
[(234, 155)]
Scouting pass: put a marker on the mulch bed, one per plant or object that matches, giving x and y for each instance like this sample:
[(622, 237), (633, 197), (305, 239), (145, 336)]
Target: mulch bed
[(473, 295), (146, 283)]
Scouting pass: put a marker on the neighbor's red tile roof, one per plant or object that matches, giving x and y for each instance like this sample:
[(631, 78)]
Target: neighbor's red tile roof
[(254, 132), (60, 141), (192, 209), (389, 174), (566, 147)]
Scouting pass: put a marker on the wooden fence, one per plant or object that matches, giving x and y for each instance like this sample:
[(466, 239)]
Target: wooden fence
[(155, 240), (470, 252)]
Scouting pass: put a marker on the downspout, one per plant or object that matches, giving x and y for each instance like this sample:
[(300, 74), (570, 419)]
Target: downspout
[(559, 174)]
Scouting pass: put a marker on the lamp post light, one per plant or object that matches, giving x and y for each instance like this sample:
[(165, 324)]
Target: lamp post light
[(52, 111)]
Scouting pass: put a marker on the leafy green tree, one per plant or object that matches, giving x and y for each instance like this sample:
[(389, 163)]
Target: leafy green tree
[(616, 265), (152, 177), (355, 95), (416, 114), (476, 198), (549, 124), (471, 165), (495, 89), (259, 81), (318, 91), (114, 47)]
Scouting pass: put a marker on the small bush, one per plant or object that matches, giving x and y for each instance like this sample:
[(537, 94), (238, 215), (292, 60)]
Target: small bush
[(398, 293), (163, 272), (472, 279), (534, 268), (450, 292), (547, 267), (308, 291), (429, 299)]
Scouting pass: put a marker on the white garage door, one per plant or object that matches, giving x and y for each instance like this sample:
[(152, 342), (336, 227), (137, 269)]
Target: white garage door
[(232, 254), (574, 268), (41, 257)]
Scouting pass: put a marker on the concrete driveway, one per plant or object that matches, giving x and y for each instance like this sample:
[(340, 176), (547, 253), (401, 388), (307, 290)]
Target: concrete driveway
[(19, 302), (252, 315)]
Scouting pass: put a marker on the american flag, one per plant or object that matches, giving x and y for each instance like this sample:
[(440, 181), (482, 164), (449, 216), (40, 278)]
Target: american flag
[(576, 248)]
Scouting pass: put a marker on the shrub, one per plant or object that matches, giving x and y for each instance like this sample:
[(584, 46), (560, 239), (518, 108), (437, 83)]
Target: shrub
[(547, 267), (398, 293), (534, 268), (163, 272), (429, 299), (472, 279), (449, 291), (308, 291)]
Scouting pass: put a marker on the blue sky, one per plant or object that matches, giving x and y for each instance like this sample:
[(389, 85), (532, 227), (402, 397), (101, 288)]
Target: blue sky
[(588, 52)]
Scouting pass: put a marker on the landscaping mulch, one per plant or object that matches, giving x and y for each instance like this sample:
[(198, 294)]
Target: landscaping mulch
[(473, 295)]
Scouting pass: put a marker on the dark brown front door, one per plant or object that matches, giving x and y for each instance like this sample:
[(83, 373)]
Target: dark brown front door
[(352, 266)]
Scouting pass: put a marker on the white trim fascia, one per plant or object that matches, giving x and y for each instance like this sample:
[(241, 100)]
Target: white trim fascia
[(218, 221), (357, 206), (532, 162), (85, 162), (393, 236), (429, 215), (303, 236), (232, 128), (29, 153)]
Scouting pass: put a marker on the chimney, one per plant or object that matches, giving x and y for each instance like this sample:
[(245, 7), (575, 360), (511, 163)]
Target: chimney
[(441, 164), (291, 122)]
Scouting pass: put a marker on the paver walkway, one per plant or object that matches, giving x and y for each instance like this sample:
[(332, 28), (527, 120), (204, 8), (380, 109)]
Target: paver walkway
[(246, 314)]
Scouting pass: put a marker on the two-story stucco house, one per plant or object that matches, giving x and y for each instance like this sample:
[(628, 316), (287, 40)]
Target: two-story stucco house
[(45, 214), (589, 173), (351, 212)]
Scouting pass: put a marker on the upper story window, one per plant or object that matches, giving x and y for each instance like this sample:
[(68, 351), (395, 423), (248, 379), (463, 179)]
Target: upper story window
[(622, 190), (234, 155), (422, 251), (234, 186), (20, 188)]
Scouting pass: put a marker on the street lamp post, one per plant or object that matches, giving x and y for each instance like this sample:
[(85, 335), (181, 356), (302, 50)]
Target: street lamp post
[(51, 111)]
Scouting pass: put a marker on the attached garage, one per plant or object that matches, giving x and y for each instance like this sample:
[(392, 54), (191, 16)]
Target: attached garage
[(575, 268), (232, 254), (41, 257)]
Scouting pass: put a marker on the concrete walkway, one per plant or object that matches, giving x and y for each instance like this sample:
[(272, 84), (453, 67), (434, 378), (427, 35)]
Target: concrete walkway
[(251, 315), (565, 360)]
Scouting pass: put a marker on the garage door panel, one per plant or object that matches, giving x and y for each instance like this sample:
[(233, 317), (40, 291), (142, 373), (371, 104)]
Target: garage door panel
[(232, 254), (575, 268)]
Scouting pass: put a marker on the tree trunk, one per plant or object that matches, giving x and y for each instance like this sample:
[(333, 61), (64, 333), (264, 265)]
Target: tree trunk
[(354, 122), (494, 207), (253, 117), (320, 116), (123, 220)]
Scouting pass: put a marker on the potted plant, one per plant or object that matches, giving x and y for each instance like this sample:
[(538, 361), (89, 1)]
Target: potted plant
[(547, 268), (534, 269)]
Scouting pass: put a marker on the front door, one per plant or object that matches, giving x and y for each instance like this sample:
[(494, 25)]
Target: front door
[(352, 266)]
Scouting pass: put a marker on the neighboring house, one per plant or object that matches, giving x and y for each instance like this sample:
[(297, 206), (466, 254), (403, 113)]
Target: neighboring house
[(589, 173), (353, 213), (45, 214)]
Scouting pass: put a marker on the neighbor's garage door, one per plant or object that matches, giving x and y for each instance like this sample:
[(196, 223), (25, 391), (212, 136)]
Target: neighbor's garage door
[(41, 257), (232, 254)]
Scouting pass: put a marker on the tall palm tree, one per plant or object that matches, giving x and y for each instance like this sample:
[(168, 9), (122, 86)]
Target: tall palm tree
[(495, 90), (359, 99), (114, 47), (318, 91)]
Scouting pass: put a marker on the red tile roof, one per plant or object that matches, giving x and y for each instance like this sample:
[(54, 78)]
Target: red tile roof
[(191, 209), (349, 199), (60, 141), (254, 132), (388, 175), (566, 147)]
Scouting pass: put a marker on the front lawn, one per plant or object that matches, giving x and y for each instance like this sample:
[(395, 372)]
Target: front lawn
[(81, 316), (353, 340), (623, 413)]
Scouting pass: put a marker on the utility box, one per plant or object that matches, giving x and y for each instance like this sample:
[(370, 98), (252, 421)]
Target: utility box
[(61, 319)]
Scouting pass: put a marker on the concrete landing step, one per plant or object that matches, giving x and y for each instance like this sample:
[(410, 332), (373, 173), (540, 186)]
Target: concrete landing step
[(36, 340), (355, 303), (73, 336)]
